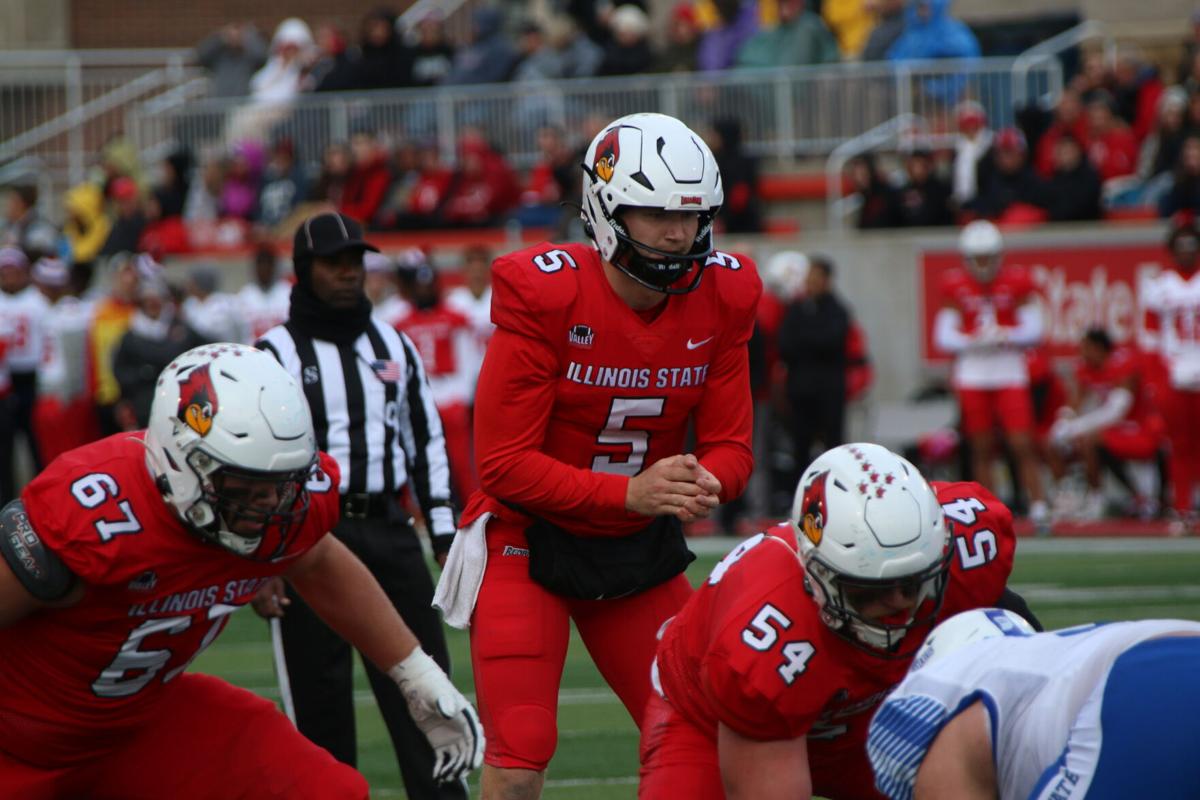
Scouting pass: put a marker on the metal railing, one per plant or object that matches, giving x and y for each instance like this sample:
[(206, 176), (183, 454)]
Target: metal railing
[(1050, 50), (785, 113)]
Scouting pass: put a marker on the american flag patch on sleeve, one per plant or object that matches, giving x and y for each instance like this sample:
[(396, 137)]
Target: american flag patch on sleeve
[(387, 370)]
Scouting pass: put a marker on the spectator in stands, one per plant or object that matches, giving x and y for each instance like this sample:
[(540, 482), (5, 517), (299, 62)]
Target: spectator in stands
[(203, 200), (737, 21), (484, 188), (283, 76), (264, 301), (432, 55), (243, 179), (1184, 195), (474, 298), (972, 143), (683, 38), (405, 174), (629, 51), (930, 32), (1068, 120), (130, 220), (1136, 88), (538, 61), (171, 190), (87, 224), (383, 62), (889, 24), (284, 185), (800, 38), (879, 205), (924, 199), (155, 337), (24, 227), (489, 57), (552, 178), (120, 158), (109, 323), (1093, 75), (231, 56), (330, 185), (850, 21), (579, 56), (1160, 150), (429, 192), (1191, 48), (1112, 148), (742, 211), (1073, 191), (334, 67), (1009, 191), (812, 345), (368, 180), (213, 314), (1109, 421)]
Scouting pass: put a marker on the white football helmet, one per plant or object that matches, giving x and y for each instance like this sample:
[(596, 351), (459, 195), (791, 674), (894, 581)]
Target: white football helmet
[(982, 248), (969, 627), (230, 411), (784, 274), (650, 161), (868, 524)]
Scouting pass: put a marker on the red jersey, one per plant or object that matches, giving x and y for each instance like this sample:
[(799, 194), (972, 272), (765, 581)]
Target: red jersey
[(156, 596), (979, 303), (579, 392), (1123, 367), (749, 648), (446, 342)]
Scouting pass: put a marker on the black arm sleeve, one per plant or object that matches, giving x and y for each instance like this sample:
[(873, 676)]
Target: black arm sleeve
[(1011, 601), (40, 571)]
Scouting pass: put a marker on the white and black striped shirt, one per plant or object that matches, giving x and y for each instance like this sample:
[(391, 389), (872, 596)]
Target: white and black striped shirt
[(373, 412)]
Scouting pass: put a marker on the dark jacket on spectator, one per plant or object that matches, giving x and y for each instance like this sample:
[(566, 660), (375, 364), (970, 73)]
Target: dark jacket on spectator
[(490, 57), (925, 204), (139, 359), (999, 190), (1074, 195), (742, 211)]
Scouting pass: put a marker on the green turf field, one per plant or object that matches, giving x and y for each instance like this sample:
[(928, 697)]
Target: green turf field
[(1065, 582)]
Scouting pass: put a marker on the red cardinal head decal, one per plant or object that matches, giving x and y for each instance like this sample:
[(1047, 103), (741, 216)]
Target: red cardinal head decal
[(608, 152), (197, 400), (812, 508)]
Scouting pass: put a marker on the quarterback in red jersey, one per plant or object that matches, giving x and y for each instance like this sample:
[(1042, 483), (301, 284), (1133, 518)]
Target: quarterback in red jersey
[(124, 560), (767, 679), (989, 318), (599, 361)]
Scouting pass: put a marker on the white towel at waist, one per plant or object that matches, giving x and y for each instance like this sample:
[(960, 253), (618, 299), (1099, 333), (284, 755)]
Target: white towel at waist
[(458, 587)]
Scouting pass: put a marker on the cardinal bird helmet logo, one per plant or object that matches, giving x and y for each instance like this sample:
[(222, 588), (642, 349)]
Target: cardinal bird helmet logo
[(197, 400), (813, 508), (608, 152)]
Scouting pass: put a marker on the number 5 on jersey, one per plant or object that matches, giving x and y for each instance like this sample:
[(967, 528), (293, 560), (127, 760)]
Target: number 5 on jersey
[(761, 634)]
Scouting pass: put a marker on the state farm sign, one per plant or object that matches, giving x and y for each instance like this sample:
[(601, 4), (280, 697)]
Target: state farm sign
[(1078, 288)]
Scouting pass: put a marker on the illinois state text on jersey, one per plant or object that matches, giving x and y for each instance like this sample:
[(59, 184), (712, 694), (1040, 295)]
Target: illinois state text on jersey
[(750, 650), (610, 389), (156, 596)]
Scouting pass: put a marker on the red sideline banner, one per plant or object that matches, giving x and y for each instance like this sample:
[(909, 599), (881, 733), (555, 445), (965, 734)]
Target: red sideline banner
[(1078, 287)]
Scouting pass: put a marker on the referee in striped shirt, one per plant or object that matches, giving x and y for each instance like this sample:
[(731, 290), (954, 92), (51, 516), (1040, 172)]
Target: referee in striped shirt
[(373, 413)]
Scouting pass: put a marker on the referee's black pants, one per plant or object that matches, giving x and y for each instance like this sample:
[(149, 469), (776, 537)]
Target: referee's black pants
[(319, 662)]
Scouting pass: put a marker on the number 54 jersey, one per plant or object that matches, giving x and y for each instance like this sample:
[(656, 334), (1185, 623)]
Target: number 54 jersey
[(155, 596), (574, 375), (749, 648)]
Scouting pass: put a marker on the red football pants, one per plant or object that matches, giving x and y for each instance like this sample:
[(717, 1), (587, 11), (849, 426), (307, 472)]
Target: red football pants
[(519, 637), (983, 410), (456, 426), (207, 739), (1182, 410)]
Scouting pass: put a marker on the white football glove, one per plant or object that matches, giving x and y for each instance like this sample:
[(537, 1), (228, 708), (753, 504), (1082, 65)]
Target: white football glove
[(443, 715), (1062, 433)]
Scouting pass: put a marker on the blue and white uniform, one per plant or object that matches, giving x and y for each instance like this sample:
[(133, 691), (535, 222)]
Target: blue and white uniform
[(1099, 711)]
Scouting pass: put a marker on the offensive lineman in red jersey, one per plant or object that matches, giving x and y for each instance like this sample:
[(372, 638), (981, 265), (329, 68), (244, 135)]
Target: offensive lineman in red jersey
[(598, 362), (767, 679), (124, 559)]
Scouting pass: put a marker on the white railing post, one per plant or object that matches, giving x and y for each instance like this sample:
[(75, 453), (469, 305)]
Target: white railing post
[(74, 92), (785, 110)]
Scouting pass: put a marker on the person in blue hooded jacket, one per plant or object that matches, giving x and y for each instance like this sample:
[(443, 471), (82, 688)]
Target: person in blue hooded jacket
[(929, 33)]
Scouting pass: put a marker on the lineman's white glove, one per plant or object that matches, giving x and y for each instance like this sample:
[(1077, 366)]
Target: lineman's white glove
[(1062, 433), (443, 715)]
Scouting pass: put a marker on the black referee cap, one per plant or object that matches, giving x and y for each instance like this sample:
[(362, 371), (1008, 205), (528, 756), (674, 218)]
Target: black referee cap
[(327, 235)]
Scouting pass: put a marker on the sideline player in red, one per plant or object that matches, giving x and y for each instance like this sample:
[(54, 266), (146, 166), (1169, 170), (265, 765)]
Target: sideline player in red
[(124, 559), (766, 680), (599, 361), (987, 322)]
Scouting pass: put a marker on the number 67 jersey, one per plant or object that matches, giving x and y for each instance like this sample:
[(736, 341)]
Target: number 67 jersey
[(750, 650), (574, 376), (155, 596)]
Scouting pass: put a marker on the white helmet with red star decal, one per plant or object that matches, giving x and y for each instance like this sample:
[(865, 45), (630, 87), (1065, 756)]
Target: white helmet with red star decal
[(868, 524), (228, 427)]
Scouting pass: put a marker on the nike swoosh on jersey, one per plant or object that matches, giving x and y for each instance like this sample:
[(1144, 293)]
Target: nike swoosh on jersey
[(693, 345)]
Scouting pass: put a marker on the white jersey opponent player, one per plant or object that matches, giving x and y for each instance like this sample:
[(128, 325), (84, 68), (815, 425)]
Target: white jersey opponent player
[(991, 709)]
